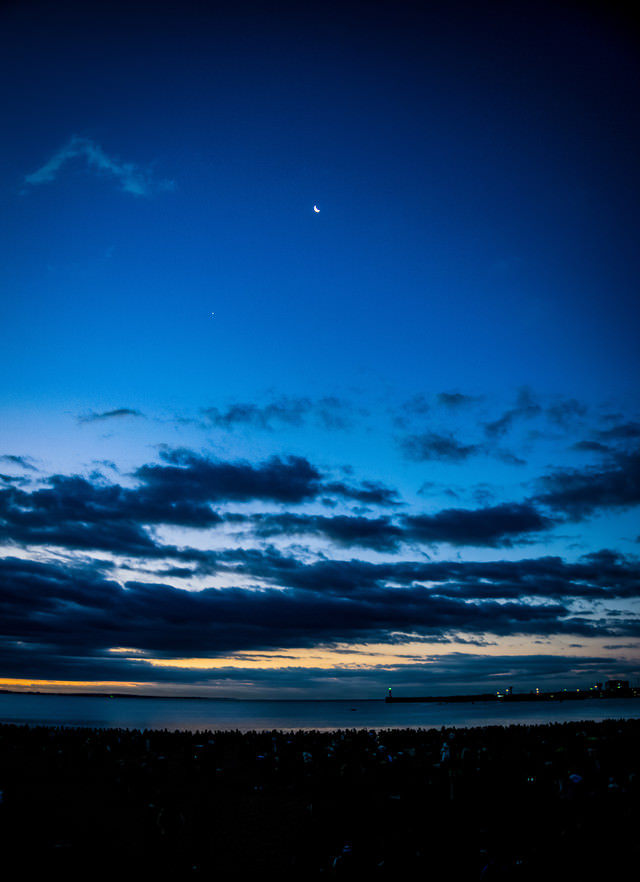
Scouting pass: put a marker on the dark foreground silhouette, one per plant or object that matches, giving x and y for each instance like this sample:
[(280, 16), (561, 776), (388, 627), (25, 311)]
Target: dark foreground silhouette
[(521, 802)]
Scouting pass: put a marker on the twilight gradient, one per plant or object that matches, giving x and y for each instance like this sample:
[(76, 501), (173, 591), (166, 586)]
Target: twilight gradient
[(253, 449)]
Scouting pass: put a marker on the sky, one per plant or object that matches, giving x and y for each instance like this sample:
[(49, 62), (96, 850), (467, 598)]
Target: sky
[(319, 347)]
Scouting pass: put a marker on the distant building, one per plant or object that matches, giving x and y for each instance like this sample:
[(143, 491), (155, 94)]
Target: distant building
[(616, 686)]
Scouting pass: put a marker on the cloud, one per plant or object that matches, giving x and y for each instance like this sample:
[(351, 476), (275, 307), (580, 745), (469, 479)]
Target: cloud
[(456, 400), (289, 479), (75, 514), (418, 404), (441, 674), (188, 476), (612, 441), (526, 407), (565, 411), (120, 412), (590, 447), (367, 493), (286, 411), (333, 413), (329, 412), (81, 513), (445, 447), (22, 462), (494, 526), (186, 488), (73, 612), (579, 493), (508, 457), (602, 576), (72, 512), (95, 568), (133, 179), (376, 533), (434, 446), (621, 433)]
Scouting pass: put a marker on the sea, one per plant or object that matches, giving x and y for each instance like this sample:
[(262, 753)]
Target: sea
[(206, 714)]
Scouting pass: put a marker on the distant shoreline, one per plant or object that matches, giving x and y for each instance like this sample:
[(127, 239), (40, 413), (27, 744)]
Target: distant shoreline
[(502, 697), (507, 697), (128, 695), (40, 693)]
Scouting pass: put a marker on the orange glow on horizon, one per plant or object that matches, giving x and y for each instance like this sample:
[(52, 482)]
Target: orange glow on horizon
[(44, 685), (401, 656), (369, 656)]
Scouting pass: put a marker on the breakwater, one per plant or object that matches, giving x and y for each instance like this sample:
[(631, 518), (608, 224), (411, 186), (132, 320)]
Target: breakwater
[(506, 697)]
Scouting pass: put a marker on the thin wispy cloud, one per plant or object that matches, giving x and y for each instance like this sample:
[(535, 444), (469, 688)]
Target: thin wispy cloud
[(526, 407), (23, 462), (116, 414), (133, 178), (434, 445), (456, 399), (328, 412)]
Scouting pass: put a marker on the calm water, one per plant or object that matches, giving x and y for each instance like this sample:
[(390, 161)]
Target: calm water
[(197, 714)]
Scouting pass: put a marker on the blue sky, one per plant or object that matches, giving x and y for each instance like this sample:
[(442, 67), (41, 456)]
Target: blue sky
[(252, 449)]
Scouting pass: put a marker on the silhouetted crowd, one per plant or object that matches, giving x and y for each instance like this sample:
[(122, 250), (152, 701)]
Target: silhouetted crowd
[(517, 802)]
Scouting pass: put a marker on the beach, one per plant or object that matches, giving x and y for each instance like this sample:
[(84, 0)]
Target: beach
[(507, 802)]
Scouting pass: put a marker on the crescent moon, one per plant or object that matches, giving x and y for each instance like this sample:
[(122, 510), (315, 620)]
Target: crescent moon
[(316, 209)]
